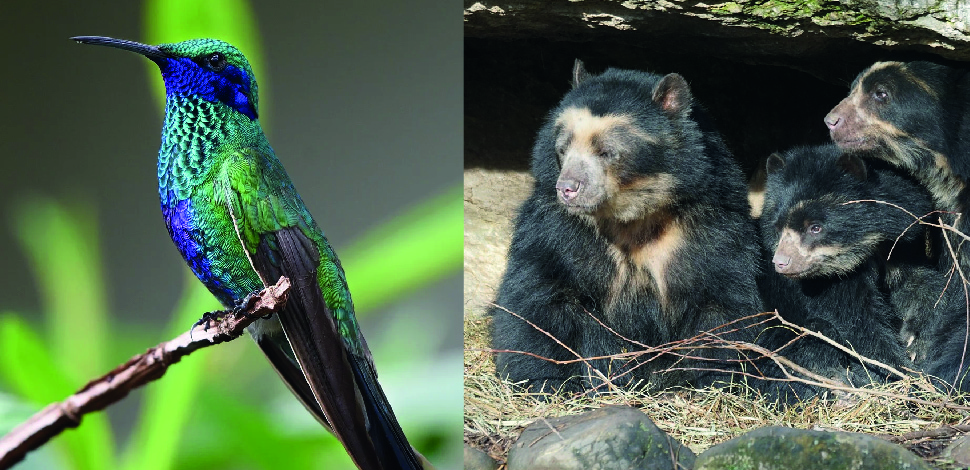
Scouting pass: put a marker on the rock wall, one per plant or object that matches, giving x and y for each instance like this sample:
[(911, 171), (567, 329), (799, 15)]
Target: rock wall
[(768, 71), (939, 27)]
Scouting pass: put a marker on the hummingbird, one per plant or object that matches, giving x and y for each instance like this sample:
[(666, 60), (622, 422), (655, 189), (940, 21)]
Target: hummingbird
[(234, 215)]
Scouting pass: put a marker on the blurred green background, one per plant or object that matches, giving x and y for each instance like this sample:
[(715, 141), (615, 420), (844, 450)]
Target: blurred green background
[(362, 103)]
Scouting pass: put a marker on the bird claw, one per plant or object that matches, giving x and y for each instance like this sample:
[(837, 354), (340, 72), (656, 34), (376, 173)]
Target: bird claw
[(244, 304), (208, 320)]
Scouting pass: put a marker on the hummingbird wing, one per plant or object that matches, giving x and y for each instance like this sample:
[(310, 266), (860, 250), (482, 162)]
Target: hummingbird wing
[(281, 239)]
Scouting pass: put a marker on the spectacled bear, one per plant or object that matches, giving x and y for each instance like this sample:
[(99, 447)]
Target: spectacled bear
[(833, 272), (918, 113), (638, 217)]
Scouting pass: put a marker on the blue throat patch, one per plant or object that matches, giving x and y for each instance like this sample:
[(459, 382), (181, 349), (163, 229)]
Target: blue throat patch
[(231, 86)]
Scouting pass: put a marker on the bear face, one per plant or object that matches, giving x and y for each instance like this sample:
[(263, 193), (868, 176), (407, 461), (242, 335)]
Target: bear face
[(612, 155), (596, 178), (889, 102), (812, 221), (915, 112)]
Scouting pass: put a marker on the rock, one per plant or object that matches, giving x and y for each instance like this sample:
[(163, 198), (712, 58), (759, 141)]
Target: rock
[(781, 448), (921, 25), (959, 451), (478, 460), (616, 437)]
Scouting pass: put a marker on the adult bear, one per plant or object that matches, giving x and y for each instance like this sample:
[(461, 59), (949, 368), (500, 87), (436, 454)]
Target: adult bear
[(918, 114), (637, 233)]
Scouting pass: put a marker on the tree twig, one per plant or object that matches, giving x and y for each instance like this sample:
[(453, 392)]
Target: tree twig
[(938, 433), (711, 339), (139, 370)]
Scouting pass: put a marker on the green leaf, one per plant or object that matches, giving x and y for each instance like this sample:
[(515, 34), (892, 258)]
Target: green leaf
[(415, 248), (27, 365), (28, 368), (233, 21), (168, 402), (254, 438), (12, 412), (62, 247)]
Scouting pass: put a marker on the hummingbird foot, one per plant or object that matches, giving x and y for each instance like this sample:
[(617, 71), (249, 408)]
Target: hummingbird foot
[(243, 305), (210, 318)]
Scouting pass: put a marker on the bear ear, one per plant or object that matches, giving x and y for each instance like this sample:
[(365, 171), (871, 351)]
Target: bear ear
[(672, 94), (853, 165), (775, 163), (579, 73)]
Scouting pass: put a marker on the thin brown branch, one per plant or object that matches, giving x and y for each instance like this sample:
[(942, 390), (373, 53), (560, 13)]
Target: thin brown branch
[(579, 357), (842, 348), (792, 371), (938, 433), (966, 297), (138, 371)]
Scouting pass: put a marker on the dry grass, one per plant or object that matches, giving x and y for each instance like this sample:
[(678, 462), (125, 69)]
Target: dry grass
[(496, 411), (909, 411)]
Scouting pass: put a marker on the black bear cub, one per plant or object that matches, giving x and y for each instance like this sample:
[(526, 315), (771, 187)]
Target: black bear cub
[(831, 273), (918, 115), (639, 218)]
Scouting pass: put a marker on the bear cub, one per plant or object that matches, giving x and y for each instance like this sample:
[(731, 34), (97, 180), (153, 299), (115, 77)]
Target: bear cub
[(832, 270), (638, 220)]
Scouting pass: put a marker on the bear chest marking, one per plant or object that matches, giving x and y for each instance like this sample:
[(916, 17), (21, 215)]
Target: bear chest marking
[(642, 252)]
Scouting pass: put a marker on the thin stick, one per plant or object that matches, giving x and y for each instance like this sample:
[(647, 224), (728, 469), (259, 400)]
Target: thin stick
[(139, 370), (966, 296), (945, 431), (579, 357)]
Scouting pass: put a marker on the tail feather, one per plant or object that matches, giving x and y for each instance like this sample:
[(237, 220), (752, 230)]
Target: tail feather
[(383, 428), (344, 384), (286, 366)]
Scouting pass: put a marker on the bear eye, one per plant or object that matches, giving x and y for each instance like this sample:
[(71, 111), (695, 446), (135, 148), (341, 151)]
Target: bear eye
[(880, 95), (815, 228), (215, 61), (606, 154)]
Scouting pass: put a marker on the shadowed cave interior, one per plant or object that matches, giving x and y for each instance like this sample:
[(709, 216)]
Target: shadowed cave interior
[(764, 98)]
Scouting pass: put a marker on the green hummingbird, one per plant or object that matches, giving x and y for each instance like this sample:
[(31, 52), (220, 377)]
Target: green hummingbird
[(236, 218)]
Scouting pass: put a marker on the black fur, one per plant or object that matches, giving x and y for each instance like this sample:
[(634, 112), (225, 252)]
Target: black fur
[(562, 264), (928, 107), (844, 286)]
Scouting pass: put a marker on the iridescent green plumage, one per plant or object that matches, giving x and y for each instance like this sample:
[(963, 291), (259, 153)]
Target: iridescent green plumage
[(236, 218)]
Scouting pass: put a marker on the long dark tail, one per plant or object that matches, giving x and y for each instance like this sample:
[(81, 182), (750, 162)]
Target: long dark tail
[(280, 355), (384, 430), (341, 381)]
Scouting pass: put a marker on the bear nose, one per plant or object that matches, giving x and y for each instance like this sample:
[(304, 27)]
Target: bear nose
[(833, 121), (781, 262), (568, 189)]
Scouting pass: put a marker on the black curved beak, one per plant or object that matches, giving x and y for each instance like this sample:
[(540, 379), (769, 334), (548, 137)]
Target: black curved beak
[(155, 54)]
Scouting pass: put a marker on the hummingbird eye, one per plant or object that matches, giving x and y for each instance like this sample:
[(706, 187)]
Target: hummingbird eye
[(215, 61)]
